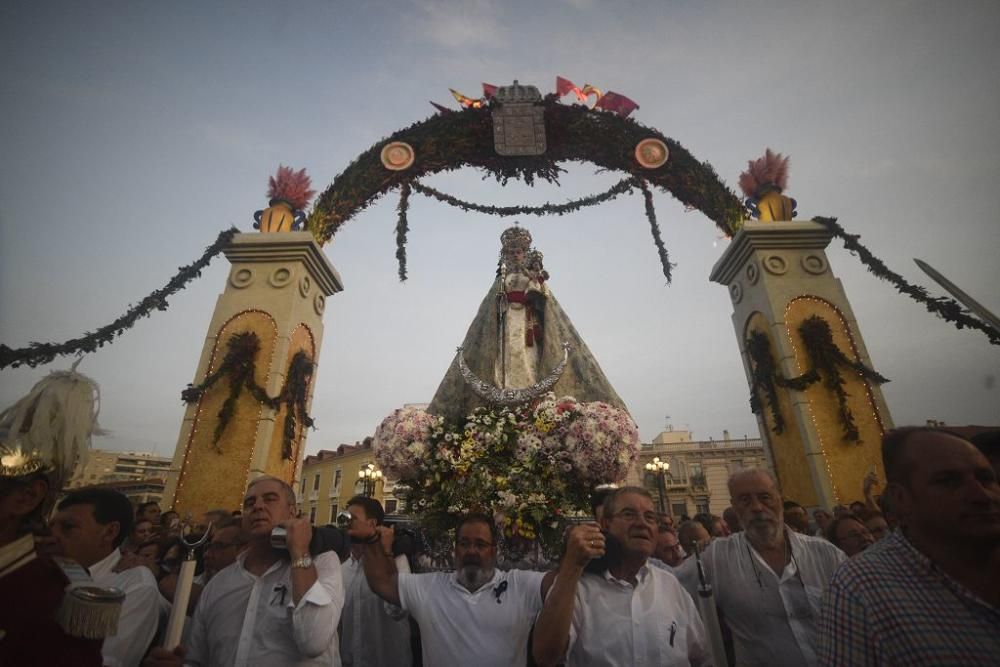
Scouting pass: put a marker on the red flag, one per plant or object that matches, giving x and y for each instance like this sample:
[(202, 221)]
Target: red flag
[(489, 91), (440, 108), (620, 104), (564, 86)]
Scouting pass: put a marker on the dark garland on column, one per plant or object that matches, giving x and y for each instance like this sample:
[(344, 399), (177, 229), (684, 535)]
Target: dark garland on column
[(402, 227), (825, 362), (239, 365)]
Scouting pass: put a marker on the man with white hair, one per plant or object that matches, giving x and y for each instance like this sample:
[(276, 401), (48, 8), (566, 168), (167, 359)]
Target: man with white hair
[(768, 580)]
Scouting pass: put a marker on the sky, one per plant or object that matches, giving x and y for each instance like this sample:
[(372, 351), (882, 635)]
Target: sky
[(134, 132)]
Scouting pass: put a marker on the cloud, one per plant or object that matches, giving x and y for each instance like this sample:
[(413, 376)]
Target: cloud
[(460, 26)]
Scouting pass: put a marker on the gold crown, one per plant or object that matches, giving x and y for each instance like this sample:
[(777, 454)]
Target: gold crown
[(515, 239)]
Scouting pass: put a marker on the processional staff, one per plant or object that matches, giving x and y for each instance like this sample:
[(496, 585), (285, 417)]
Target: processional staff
[(185, 579), (709, 614)]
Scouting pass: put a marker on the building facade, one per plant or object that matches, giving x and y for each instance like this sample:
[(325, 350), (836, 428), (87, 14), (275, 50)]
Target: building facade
[(330, 478), (101, 466), (696, 481)]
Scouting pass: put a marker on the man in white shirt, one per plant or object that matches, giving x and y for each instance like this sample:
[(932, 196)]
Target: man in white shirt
[(272, 607), (88, 528), (629, 614), (768, 580), (475, 616), (373, 632)]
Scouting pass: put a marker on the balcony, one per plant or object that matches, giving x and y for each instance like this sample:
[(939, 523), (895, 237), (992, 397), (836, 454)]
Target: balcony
[(698, 482)]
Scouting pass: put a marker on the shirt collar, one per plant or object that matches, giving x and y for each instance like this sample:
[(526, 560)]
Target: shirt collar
[(640, 576), (489, 585), (104, 567), (241, 565)]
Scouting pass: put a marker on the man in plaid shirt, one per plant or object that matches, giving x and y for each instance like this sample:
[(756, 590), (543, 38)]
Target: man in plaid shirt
[(928, 594)]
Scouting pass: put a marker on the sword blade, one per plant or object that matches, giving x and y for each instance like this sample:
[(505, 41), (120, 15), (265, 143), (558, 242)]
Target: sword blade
[(974, 306)]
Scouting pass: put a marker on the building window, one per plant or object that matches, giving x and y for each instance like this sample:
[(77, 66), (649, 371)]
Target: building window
[(312, 515), (337, 477), (390, 506), (678, 510), (316, 482), (333, 513), (303, 491), (701, 506)]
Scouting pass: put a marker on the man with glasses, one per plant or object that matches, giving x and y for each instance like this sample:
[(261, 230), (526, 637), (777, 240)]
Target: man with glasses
[(768, 580), (668, 552), (227, 542), (477, 615), (628, 614)]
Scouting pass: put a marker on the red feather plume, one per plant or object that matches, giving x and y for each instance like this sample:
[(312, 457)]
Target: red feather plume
[(290, 186)]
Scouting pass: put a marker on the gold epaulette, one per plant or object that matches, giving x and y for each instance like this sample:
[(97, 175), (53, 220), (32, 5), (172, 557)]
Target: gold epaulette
[(87, 610)]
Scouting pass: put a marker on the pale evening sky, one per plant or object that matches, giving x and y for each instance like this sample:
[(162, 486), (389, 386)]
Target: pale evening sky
[(134, 132)]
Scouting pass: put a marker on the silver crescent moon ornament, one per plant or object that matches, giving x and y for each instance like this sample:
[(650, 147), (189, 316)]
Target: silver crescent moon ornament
[(497, 396)]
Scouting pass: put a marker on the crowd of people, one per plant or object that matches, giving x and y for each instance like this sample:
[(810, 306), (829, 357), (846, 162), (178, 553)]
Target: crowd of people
[(908, 577)]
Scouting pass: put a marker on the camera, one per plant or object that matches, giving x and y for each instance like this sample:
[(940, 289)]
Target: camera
[(324, 538)]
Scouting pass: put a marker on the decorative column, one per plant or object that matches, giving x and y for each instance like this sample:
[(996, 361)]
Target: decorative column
[(276, 290), (821, 440)]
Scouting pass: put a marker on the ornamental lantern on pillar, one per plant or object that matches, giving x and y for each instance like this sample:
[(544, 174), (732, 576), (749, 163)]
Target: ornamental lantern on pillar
[(289, 193), (763, 183), (518, 121)]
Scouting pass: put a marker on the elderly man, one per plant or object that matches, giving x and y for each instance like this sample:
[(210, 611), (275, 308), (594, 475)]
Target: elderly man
[(929, 592), (88, 527), (768, 579), (629, 614), (374, 633), (668, 550), (477, 616), (273, 606)]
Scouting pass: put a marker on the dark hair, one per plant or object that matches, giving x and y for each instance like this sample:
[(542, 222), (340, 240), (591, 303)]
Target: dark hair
[(164, 515), (685, 536), (373, 508), (789, 504), (141, 507), (612, 499), (894, 459), (109, 505), (477, 517), (598, 497), (831, 530)]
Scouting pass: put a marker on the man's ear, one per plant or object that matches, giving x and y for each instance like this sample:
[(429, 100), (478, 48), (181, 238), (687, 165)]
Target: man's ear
[(110, 531)]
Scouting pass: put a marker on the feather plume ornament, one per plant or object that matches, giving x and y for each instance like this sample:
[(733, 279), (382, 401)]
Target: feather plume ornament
[(50, 428), (291, 186), (768, 172)]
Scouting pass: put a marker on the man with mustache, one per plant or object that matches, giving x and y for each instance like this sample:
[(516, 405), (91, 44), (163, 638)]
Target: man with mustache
[(629, 614), (929, 592), (477, 616), (768, 580)]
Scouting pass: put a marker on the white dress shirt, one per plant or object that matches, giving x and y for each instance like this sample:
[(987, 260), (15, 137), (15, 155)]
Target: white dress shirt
[(242, 619), (773, 619), (488, 628), (374, 633), (652, 623), (140, 613)]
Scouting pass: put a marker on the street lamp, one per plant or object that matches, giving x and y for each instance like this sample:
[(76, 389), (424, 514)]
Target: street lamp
[(659, 469), (369, 476)]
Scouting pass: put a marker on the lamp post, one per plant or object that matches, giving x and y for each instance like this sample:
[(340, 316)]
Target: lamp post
[(369, 476), (659, 469)]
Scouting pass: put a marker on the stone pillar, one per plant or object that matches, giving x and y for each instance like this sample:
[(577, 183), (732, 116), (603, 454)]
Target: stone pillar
[(778, 275), (277, 288)]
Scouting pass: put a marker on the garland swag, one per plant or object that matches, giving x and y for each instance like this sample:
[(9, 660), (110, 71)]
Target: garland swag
[(239, 365), (825, 361), (42, 353), (626, 185), (944, 307)]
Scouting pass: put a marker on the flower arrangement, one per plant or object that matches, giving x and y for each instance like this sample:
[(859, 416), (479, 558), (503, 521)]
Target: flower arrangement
[(768, 172), (530, 466), (290, 186)]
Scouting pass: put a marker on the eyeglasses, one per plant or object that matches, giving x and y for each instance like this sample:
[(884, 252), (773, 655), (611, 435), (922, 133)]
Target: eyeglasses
[(631, 515), (478, 545)]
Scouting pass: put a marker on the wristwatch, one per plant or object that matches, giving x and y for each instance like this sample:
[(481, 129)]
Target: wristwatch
[(303, 563)]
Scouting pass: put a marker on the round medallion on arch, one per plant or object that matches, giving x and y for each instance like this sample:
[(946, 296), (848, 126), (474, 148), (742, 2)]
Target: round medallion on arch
[(736, 292), (319, 303), (651, 153), (280, 277), (814, 264), (305, 284), (775, 264), (397, 155), (752, 273), (241, 277)]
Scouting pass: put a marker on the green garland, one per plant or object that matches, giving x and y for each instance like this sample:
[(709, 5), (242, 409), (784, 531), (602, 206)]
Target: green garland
[(402, 227), (655, 229), (451, 140), (239, 365), (944, 307), (766, 378), (42, 353), (825, 361)]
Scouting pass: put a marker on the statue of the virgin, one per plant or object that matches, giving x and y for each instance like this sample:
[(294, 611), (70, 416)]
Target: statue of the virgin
[(520, 341)]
